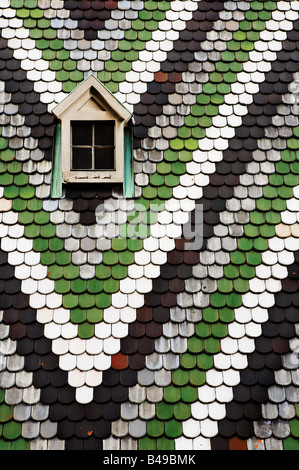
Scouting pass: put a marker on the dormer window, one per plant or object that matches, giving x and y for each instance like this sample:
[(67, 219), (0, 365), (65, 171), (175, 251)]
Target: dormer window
[(94, 139)]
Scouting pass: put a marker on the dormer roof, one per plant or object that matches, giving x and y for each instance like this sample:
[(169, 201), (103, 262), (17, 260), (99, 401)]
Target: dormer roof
[(93, 97)]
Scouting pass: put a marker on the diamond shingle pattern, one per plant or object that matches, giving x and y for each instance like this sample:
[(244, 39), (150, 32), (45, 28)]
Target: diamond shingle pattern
[(117, 332)]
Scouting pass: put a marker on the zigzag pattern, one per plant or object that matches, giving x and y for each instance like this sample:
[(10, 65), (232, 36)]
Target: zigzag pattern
[(147, 344)]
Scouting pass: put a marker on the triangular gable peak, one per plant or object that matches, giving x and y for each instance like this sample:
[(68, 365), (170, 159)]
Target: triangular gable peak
[(95, 100)]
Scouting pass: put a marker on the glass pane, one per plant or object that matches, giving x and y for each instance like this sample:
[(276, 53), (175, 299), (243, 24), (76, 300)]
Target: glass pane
[(82, 159), (104, 159), (82, 133), (104, 133)]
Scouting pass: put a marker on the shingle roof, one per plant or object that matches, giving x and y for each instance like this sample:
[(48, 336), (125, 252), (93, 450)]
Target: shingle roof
[(113, 340)]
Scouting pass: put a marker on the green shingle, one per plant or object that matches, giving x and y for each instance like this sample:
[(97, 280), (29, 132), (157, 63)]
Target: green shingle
[(231, 271), (20, 444), (247, 272), (15, 167), (5, 413), (260, 244), (119, 244), (30, 23), (219, 330), (173, 429), (18, 205), (55, 272), (103, 272), (197, 378), (78, 315), (285, 193), (176, 144), (180, 377), (156, 180), (182, 411), (11, 192), (225, 285), (103, 300), (204, 361), (195, 345), (147, 443), (126, 258), (63, 258), (134, 245), (217, 300), (94, 286), (257, 218), (270, 192), (111, 286), (189, 394), (149, 192), (17, 3), (263, 205), (241, 285), (32, 231), (253, 258), (85, 330), (56, 65), (250, 231), (172, 180), (155, 428), (62, 286), (251, 15), (203, 330), (279, 205), (164, 192), (35, 205), (172, 394), (40, 244), (5, 445), (164, 411), (110, 258), (70, 271), (56, 244), (223, 88), (294, 427), (70, 301), (212, 345), (119, 271), (6, 179), (291, 444), (178, 168), (42, 44), (234, 300), (226, 315), (86, 300), (267, 231), (210, 315), (12, 430), (27, 192), (94, 315), (164, 444), (188, 361)]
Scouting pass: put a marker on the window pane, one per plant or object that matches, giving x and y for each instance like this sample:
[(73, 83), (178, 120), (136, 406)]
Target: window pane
[(82, 133), (82, 159), (104, 159), (104, 133)]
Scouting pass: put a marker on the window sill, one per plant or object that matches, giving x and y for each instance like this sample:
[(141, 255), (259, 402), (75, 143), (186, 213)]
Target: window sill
[(93, 176)]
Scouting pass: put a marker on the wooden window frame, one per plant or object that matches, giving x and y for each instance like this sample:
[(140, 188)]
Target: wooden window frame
[(92, 146)]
